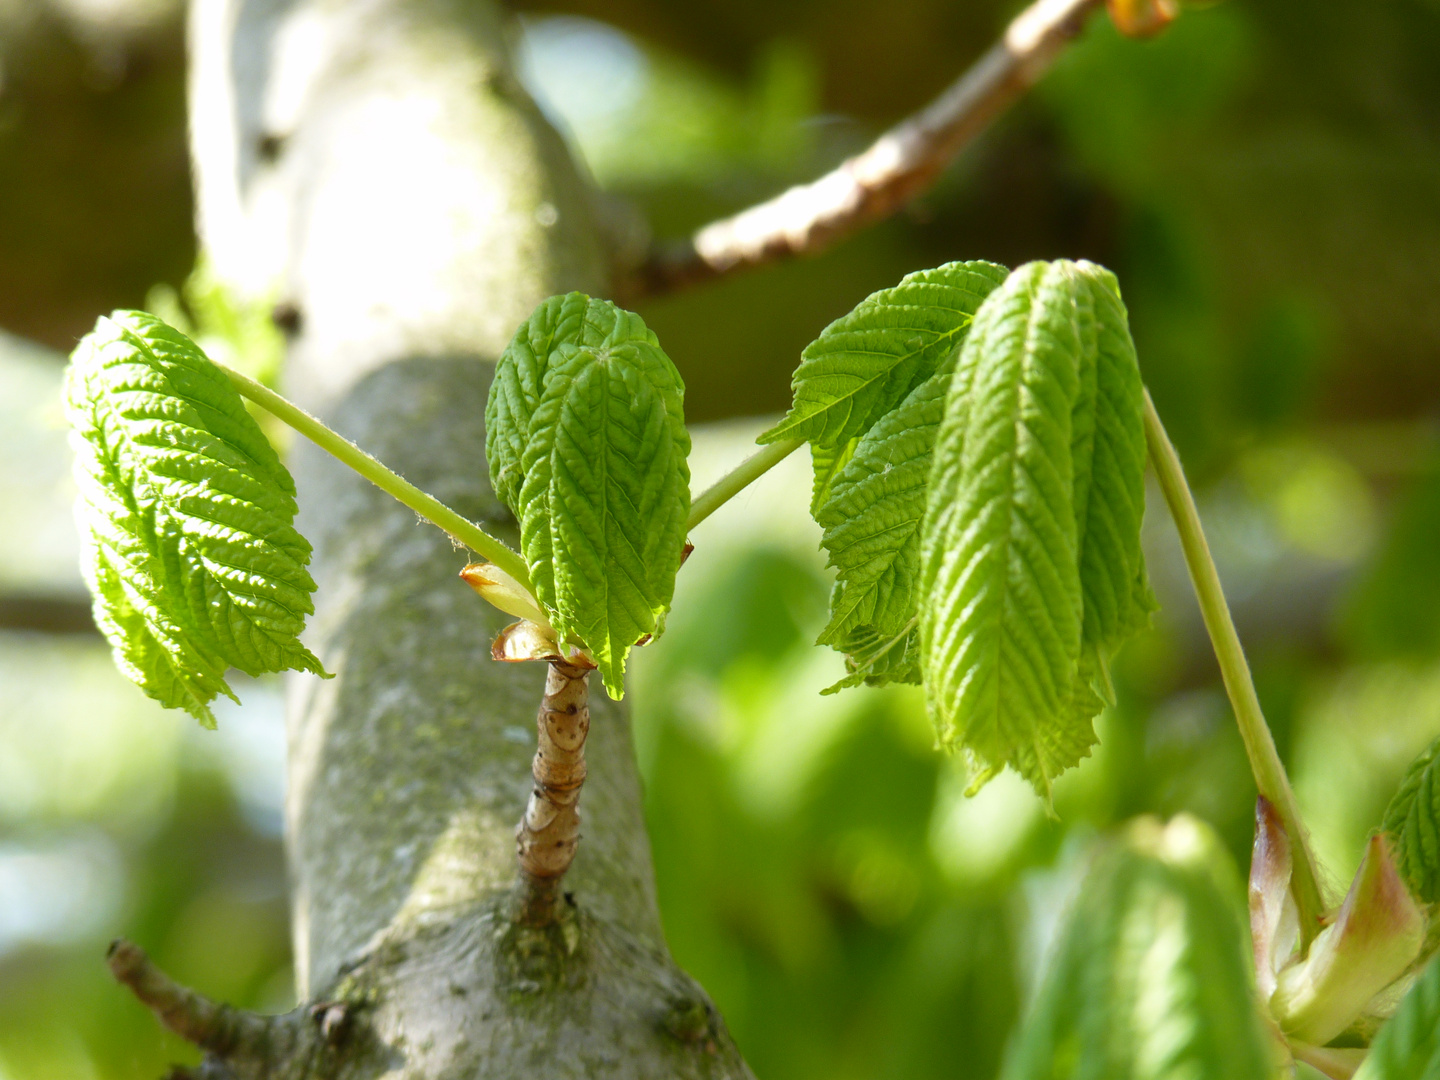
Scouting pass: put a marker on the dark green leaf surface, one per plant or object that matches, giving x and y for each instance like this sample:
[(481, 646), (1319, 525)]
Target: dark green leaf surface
[(519, 382), (185, 514), (1413, 822), (1408, 1046), (604, 489), (827, 461), (1149, 977), (864, 364)]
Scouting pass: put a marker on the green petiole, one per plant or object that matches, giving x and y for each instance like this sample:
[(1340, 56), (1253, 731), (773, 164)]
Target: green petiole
[(1265, 763), (739, 478), (427, 506)]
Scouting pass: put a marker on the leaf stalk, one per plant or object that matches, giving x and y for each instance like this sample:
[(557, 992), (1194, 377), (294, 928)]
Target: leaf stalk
[(739, 478), (1265, 763), (427, 506)]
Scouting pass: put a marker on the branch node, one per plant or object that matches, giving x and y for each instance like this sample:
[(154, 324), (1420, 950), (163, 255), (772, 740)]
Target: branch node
[(333, 1019)]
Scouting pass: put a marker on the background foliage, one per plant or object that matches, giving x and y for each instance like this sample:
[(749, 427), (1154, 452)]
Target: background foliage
[(1263, 178)]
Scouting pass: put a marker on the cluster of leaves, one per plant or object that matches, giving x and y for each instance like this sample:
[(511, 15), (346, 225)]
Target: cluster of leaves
[(979, 457), (979, 449), (185, 514)]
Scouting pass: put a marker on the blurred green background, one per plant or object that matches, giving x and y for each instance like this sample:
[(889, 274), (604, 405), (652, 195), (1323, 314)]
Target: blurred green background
[(1265, 178)]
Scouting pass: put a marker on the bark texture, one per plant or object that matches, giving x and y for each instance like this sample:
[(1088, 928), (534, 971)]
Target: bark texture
[(375, 167), (549, 832)]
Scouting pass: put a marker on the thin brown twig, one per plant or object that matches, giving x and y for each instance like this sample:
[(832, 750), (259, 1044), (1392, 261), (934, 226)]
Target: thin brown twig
[(44, 613), (900, 165), (195, 1018), (549, 833)]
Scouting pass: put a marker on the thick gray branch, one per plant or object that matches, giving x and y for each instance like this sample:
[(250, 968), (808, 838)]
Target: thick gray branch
[(375, 166)]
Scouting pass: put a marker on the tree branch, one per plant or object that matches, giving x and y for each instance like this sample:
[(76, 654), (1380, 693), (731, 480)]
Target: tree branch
[(900, 165), (46, 614), (216, 1028)]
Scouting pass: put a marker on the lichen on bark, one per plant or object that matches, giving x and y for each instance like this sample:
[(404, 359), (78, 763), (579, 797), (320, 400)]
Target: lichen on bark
[(411, 208)]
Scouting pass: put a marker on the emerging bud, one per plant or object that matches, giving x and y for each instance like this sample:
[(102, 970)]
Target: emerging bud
[(525, 640), (1376, 935), (1142, 18), (504, 592), (1274, 918)]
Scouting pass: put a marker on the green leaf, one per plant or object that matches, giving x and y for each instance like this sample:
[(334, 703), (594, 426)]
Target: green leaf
[(603, 485), (864, 364), (1001, 627), (519, 382), (872, 522), (185, 513), (870, 491), (827, 461), (876, 660), (1109, 438), (1030, 562), (1149, 978), (1408, 1046), (1413, 822)]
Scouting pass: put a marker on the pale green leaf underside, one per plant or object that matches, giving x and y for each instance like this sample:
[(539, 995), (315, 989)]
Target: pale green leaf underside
[(1148, 982), (1030, 563), (606, 493), (1408, 1046), (869, 491), (864, 363), (519, 382), (185, 514), (873, 659), (1413, 822), (872, 522)]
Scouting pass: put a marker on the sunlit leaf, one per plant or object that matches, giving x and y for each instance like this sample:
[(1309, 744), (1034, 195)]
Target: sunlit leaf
[(587, 443), (185, 515), (872, 518), (1031, 571), (1109, 448), (519, 382), (864, 364)]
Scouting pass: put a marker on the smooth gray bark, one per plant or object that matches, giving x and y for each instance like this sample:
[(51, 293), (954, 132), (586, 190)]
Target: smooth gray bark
[(376, 167)]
